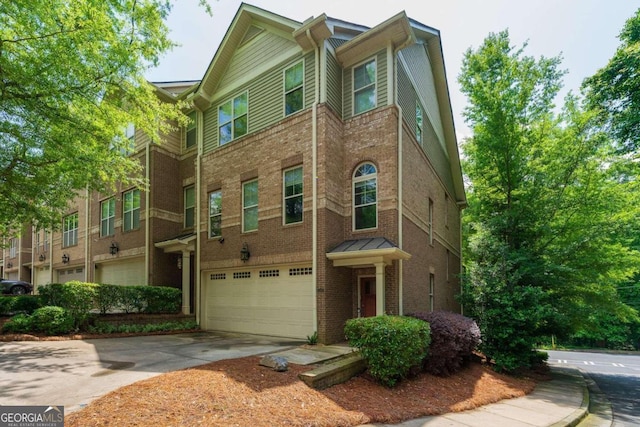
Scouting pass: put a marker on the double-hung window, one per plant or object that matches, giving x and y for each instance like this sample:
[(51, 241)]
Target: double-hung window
[(233, 119), (250, 206), (365, 197), (107, 217), (70, 230), (131, 210), (419, 123), (364, 87), (292, 195), (13, 245), (190, 137), (430, 222), (293, 89), (189, 206), (215, 213)]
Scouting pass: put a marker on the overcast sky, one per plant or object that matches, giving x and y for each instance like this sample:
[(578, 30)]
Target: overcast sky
[(583, 32)]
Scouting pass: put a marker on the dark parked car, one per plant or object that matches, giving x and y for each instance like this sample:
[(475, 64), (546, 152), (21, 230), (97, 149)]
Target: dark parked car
[(15, 287)]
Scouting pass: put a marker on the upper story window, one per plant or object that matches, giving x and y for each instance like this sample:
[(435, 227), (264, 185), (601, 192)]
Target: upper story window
[(232, 119), (130, 135), (215, 213), (250, 206), (70, 230), (430, 223), (13, 247), (293, 89), (419, 123), (364, 87), (292, 202), (108, 217), (190, 137), (131, 210), (189, 206), (365, 197)]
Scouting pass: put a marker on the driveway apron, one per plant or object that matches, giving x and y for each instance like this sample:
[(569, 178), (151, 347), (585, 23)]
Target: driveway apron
[(73, 373)]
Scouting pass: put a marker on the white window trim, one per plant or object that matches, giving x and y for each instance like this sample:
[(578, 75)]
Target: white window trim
[(419, 126), (233, 136), (285, 197), (217, 236), (111, 217), (353, 86), (284, 87), (70, 236), (192, 125), (184, 199), (355, 180), (124, 212), (430, 221), (244, 208)]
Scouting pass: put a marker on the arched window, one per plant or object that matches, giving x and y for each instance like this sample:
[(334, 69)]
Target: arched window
[(365, 197)]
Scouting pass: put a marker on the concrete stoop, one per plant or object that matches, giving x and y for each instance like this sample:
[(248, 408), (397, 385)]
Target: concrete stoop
[(335, 372)]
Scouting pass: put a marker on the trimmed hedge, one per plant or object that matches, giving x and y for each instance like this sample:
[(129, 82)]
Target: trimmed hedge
[(50, 320), (80, 298), (19, 304), (390, 345), (454, 337)]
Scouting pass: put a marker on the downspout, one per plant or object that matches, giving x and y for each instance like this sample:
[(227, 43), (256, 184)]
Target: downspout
[(400, 186), (197, 274), (147, 211), (314, 182), (89, 273)]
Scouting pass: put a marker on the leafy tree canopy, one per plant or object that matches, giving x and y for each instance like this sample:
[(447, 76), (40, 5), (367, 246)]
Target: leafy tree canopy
[(71, 82), (615, 89), (547, 234)]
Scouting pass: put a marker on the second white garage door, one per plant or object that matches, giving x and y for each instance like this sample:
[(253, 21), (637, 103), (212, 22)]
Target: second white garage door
[(126, 272), (276, 301)]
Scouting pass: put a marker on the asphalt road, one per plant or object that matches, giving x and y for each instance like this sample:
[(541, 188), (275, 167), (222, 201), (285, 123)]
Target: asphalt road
[(617, 376)]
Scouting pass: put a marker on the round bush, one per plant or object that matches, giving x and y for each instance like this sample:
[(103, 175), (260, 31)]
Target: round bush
[(18, 324), (52, 320)]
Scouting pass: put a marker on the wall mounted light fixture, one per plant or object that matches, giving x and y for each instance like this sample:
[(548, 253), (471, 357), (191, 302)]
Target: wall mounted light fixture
[(244, 252), (42, 257), (9, 264), (65, 258), (113, 249)]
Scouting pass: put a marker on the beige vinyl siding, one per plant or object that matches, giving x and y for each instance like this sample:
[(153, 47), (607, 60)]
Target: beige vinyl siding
[(381, 84), (251, 56), (419, 69), (334, 84), (407, 98), (266, 100), (309, 79)]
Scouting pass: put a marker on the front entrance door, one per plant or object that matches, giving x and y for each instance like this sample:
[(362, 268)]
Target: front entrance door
[(367, 296)]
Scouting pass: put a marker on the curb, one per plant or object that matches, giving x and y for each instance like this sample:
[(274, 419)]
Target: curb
[(577, 416), (600, 412)]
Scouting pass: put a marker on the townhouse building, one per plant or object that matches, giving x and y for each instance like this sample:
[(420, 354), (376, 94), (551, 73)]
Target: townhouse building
[(319, 180)]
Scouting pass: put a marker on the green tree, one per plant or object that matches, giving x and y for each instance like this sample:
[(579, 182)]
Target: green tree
[(543, 242), (71, 81), (615, 89)]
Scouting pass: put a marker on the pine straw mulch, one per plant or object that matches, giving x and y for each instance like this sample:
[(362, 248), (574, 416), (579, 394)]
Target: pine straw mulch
[(239, 392)]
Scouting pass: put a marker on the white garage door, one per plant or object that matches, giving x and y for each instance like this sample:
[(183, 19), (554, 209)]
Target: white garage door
[(69, 274), (276, 301), (42, 276), (129, 272)]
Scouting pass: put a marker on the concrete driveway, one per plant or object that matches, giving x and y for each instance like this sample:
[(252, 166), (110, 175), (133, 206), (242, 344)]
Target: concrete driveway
[(73, 373)]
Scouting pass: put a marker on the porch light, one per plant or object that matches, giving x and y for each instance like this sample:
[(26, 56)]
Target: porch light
[(244, 252), (113, 249), (9, 264), (65, 258), (42, 257)]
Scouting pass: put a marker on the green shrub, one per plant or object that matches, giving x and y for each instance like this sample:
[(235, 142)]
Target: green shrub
[(19, 304), (132, 299), (162, 299), (78, 298), (18, 324), (390, 345), (108, 297), (52, 320), (107, 328)]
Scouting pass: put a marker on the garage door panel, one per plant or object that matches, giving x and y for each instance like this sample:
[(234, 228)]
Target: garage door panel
[(130, 272), (256, 303)]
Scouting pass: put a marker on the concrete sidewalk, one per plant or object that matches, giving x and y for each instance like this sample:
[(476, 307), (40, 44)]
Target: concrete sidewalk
[(563, 401)]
